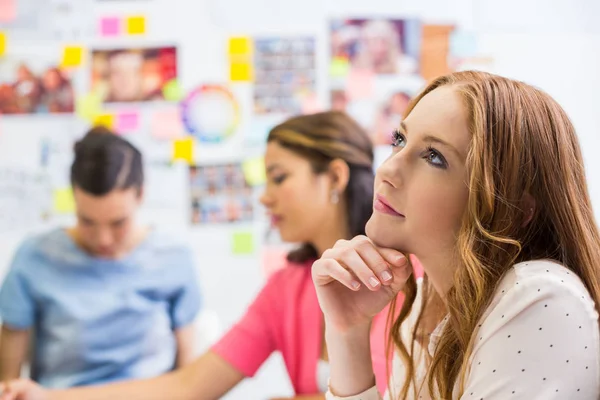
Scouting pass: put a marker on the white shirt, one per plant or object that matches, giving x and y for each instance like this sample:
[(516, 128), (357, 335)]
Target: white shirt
[(538, 339)]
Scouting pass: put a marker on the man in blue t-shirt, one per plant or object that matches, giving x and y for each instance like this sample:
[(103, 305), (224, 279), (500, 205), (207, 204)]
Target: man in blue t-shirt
[(107, 299)]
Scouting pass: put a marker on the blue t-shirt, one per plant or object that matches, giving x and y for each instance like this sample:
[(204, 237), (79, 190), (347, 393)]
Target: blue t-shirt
[(97, 320)]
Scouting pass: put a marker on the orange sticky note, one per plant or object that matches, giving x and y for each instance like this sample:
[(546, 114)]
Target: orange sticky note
[(240, 72), (183, 149), (72, 56), (240, 46), (2, 43), (136, 25), (106, 120)]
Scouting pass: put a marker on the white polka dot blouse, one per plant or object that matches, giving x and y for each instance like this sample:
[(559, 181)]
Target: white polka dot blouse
[(538, 339)]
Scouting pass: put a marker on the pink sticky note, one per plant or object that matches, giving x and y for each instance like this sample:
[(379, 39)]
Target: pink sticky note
[(110, 26), (127, 121), (8, 10), (167, 124), (310, 105), (360, 84)]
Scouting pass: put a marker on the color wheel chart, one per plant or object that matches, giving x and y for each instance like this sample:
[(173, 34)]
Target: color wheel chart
[(210, 113)]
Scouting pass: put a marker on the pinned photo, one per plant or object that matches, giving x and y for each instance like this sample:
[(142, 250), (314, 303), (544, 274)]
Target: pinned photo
[(133, 75)]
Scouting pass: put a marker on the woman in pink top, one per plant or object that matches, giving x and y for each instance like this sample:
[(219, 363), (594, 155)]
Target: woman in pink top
[(319, 190)]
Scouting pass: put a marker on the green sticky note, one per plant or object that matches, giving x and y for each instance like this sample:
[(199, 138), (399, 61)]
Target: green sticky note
[(339, 67), (89, 107), (172, 91), (254, 171), (63, 201), (243, 243)]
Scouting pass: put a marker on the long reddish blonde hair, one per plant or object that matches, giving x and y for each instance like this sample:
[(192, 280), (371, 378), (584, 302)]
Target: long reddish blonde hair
[(522, 143)]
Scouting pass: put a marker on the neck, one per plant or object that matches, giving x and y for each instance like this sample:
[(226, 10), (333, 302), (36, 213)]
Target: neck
[(439, 267), (334, 229)]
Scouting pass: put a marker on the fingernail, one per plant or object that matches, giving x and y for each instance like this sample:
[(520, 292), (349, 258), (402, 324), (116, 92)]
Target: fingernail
[(355, 285), (400, 258), (373, 281), (386, 276)]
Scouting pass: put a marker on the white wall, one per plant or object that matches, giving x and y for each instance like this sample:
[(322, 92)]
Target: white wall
[(552, 44)]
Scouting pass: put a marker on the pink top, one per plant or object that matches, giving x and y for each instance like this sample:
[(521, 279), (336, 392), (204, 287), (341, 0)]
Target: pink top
[(285, 317)]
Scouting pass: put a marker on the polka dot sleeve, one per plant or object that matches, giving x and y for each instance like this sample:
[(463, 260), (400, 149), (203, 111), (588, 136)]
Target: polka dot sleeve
[(539, 341)]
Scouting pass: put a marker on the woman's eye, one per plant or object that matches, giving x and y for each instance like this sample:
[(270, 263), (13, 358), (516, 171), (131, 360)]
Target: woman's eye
[(279, 179), (434, 158), (398, 139)]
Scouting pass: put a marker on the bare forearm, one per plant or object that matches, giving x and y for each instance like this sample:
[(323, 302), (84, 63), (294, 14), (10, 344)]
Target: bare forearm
[(351, 370), (186, 346), (176, 385), (10, 368), (207, 378), (14, 346)]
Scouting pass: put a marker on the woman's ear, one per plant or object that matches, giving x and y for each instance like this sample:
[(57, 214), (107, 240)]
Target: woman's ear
[(339, 172), (529, 207)]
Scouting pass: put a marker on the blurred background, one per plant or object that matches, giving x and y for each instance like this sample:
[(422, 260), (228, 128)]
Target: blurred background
[(197, 85)]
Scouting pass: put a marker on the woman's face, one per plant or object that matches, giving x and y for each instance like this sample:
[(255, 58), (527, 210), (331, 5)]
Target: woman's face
[(297, 198), (377, 46), (125, 79), (420, 190)]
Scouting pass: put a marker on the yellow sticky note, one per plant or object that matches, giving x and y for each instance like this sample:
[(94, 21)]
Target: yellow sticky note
[(106, 120), (254, 171), (72, 56), (183, 149), (240, 72), (2, 43), (243, 243), (240, 46), (88, 106), (136, 25), (63, 201)]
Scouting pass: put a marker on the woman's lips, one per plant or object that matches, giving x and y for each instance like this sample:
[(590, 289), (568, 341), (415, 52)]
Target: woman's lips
[(381, 204)]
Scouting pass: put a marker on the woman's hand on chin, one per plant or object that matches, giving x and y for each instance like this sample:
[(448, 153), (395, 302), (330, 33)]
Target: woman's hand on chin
[(356, 279)]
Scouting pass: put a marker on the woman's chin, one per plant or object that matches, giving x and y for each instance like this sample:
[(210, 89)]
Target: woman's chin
[(384, 237)]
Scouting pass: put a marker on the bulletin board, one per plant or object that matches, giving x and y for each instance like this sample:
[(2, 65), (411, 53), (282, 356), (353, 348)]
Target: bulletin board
[(198, 85)]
